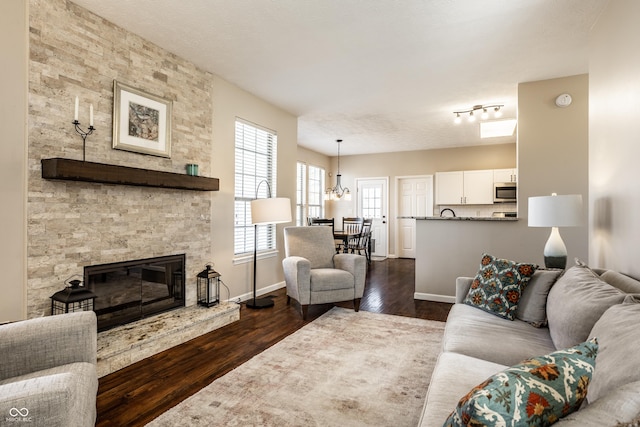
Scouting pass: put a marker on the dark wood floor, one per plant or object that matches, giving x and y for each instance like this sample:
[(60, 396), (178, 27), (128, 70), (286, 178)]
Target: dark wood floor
[(135, 395)]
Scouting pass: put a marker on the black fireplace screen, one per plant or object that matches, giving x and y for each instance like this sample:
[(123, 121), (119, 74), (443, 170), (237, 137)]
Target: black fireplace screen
[(131, 290)]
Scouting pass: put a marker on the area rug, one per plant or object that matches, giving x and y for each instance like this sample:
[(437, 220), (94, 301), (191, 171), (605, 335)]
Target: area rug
[(343, 369)]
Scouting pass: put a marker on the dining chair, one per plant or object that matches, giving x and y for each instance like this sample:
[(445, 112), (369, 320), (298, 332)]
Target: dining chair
[(362, 243), (329, 222), (351, 225)]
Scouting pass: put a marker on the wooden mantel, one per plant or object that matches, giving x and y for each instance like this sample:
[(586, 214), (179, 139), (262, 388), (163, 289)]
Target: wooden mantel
[(78, 170)]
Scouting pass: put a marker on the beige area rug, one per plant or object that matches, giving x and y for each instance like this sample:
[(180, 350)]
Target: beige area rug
[(343, 369)]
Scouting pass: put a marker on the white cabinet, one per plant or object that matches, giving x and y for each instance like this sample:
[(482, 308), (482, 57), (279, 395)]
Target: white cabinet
[(505, 175), (449, 188), (478, 187), (464, 187)]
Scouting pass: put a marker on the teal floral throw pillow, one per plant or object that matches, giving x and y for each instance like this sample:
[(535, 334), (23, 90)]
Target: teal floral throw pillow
[(498, 285), (536, 392)]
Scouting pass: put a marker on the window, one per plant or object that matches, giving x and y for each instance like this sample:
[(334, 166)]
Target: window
[(309, 193), (255, 158)]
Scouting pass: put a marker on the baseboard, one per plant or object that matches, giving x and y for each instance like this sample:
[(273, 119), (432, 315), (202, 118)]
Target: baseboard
[(259, 292), (434, 297)]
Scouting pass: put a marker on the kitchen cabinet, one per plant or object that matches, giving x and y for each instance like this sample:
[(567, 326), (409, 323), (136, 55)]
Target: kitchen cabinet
[(505, 175), (464, 187)]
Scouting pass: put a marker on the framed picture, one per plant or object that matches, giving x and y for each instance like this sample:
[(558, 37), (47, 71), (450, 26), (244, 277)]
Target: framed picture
[(141, 121)]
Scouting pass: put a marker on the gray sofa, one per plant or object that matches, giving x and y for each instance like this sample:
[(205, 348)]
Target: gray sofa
[(48, 371), (578, 304)]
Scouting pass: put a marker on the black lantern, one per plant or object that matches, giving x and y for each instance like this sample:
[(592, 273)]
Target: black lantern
[(208, 287), (74, 297)]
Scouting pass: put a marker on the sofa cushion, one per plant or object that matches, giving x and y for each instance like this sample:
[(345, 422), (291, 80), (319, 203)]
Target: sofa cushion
[(498, 285), (618, 334), (536, 392), (453, 376), (479, 334), (330, 279), (576, 302), (624, 283), (532, 307), (617, 406)]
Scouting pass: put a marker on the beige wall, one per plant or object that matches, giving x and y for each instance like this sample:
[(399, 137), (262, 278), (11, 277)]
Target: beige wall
[(314, 158), (552, 156), (614, 126), (13, 122), (231, 102), (408, 163), (553, 151)]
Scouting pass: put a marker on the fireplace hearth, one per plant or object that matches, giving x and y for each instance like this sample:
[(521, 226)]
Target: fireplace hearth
[(132, 290)]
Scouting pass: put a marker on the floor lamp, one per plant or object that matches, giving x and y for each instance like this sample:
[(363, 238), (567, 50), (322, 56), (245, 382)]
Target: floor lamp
[(272, 210), (555, 211)]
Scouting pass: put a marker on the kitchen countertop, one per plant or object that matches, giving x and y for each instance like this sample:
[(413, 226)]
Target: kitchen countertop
[(459, 218)]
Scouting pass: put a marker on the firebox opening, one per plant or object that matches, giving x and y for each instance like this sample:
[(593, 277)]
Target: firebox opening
[(131, 290)]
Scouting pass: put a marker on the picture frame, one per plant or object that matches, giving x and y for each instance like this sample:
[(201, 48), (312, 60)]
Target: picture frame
[(141, 121)]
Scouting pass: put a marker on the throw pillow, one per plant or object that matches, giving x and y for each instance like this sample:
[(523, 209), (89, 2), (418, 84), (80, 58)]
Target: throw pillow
[(576, 302), (498, 285), (532, 307), (536, 392), (619, 338)]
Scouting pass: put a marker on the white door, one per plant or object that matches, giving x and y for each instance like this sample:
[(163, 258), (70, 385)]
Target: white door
[(415, 198), (372, 203)]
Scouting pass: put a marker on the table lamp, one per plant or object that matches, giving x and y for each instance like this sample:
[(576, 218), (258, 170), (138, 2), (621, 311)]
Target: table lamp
[(555, 211)]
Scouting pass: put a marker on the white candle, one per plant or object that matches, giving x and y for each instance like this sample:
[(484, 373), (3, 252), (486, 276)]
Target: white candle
[(90, 114), (75, 114)]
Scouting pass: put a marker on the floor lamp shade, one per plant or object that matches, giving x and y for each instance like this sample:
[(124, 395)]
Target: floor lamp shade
[(555, 211), (272, 210)]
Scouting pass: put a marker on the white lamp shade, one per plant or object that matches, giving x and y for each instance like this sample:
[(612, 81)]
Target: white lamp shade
[(273, 210), (555, 211)]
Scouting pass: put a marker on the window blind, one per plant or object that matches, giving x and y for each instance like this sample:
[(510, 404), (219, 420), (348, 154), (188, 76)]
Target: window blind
[(309, 192), (255, 161), (301, 193), (316, 191)]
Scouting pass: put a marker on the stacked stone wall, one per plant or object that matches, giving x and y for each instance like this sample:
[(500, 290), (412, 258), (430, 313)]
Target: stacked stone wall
[(74, 224)]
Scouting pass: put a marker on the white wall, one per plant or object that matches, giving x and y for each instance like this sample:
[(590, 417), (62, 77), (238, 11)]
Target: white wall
[(614, 143), (14, 30)]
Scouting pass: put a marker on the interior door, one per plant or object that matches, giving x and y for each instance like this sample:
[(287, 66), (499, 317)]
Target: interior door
[(372, 203), (415, 199)]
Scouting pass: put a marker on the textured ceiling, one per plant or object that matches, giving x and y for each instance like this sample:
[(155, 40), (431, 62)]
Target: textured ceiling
[(383, 75)]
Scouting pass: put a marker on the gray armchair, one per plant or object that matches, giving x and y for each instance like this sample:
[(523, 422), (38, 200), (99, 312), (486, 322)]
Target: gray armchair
[(315, 274), (48, 371)]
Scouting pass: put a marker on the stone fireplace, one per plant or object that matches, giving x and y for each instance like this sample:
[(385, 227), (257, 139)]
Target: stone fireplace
[(73, 225)]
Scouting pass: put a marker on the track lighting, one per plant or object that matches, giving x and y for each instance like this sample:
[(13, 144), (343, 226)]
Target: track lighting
[(497, 112)]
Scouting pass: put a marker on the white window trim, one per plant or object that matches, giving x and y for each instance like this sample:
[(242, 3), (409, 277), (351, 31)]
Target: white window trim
[(271, 178)]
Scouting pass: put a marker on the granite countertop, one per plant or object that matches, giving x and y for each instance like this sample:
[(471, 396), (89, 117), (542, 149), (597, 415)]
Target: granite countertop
[(459, 218)]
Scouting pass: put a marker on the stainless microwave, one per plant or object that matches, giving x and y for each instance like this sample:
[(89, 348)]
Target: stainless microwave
[(505, 192)]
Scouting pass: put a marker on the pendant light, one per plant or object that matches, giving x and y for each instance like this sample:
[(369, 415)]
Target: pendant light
[(338, 192)]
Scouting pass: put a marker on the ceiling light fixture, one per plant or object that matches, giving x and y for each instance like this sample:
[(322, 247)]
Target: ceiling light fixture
[(337, 192), (497, 112)]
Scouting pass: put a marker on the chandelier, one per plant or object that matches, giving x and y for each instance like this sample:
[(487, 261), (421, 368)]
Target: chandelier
[(497, 112), (338, 192)]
